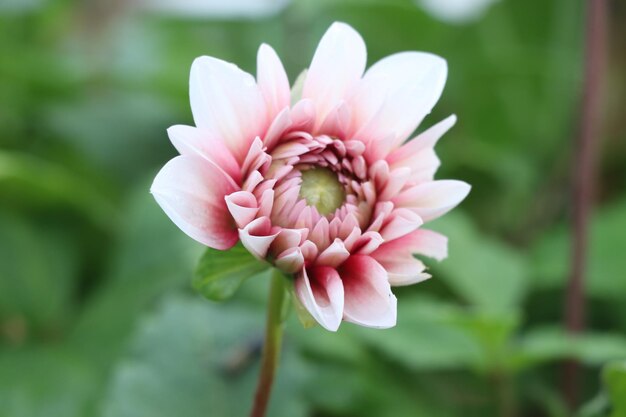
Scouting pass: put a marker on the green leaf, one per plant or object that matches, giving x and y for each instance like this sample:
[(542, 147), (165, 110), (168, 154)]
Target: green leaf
[(220, 273), (192, 358), (551, 255), (426, 336), (614, 376), (547, 344), (482, 270)]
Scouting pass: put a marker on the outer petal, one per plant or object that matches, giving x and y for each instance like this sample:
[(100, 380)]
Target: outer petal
[(272, 80), (337, 65), (321, 292), (189, 140), (397, 256), (418, 154), (226, 101), (410, 82), (433, 199), (368, 298), (191, 191)]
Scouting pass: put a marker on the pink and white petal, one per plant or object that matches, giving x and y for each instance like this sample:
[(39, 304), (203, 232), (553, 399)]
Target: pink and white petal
[(303, 115), (403, 155), (272, 80), (396, 181), (257, 236), (287, 239), (397, 257), (337, 121), (227, 101), (191, 191), (367, 243), (243, 206), (337, 66), (433, 199), (189, 140), (290, 261), (277, 128), (333, 255), (368, 298), (321, 292), (401, 222), (407, 273), (413, 82)]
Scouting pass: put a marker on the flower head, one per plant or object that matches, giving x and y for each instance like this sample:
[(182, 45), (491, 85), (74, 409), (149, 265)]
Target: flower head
[(326, 185)]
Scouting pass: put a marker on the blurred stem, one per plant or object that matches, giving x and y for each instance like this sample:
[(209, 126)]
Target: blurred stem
[(505, 391), (272, 344), (583, 181)]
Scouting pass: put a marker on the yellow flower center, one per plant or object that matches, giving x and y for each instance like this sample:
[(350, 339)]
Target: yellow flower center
[(321, 188)]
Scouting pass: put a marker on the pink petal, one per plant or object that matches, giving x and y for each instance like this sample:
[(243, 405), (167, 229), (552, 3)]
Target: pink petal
[(189, 140), (287, 239), (418, 154), (227, 102), (257, 236), (279, 125), (272, 80), (242, 206), (191, 191), (333, 255), (337, 65), (397, 256), (290, 261), (433, 199), (401, 221), (320, 291), (368, 298), (412, 83), (425, 140)]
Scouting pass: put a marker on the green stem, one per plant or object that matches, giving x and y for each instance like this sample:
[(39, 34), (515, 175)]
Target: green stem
[(272, 345)]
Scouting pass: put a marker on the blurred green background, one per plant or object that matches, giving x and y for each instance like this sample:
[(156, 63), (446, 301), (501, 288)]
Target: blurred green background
[(97, 315)]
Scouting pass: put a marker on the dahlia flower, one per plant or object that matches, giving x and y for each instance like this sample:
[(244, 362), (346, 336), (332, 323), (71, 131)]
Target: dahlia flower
[(322, 180)]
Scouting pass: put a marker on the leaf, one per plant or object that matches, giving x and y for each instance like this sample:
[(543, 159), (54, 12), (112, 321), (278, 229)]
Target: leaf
[(614, 376), (44, 184), (551, 255), (192, 358), (482, 270), (46, 382), (547, 344), (38, 271), (426, 336), (220, 273)]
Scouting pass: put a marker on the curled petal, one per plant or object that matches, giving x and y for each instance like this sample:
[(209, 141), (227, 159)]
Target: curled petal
[(257, 236), (368, 297), (287, 239), (433, 199), (191, 191), (291, 260), (333, 255), (321, 292), (242, 206)]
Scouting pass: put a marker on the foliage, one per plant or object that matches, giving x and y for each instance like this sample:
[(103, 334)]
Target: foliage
[(97, 312)]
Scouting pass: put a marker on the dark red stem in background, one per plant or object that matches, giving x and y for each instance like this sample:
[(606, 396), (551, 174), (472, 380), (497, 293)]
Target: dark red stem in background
[(584, 169)]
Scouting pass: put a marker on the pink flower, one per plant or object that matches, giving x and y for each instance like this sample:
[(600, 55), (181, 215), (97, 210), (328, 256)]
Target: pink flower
[(323, 183)]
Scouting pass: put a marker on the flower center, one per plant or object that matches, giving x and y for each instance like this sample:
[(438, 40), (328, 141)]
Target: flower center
[(321, 188)]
